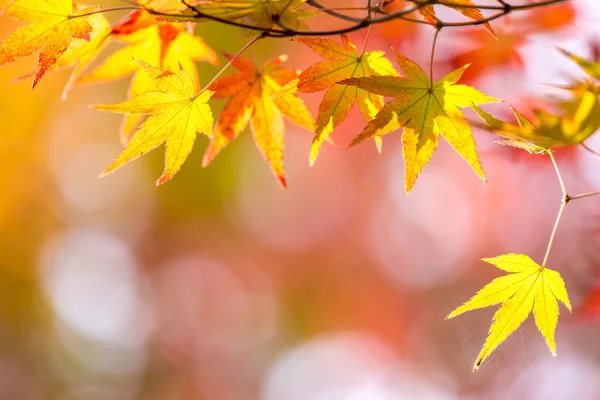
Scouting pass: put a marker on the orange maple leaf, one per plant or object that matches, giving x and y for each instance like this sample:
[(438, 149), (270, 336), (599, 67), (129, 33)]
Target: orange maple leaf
[(486, 52), (250, 92), (553, 18), (50, 27)]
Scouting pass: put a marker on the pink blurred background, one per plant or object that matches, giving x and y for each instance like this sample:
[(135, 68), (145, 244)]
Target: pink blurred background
[(222, 286)]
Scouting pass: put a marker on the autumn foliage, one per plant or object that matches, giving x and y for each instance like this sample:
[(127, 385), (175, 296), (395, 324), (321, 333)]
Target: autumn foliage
[(166, 104)]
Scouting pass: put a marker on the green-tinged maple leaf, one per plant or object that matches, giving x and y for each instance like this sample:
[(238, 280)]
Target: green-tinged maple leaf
[(250, 92), (267, 14), (528, 288), (591, 67), (165, 46), (465, 7), (50, 27), (424, 110), (175, 113), (550, 130), (343, 62)]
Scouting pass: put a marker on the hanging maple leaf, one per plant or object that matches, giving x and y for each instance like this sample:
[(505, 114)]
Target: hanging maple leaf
[(175, 113), (465, 7), (529, 288), (165, 46), (250, 92), (50, 27), (424, 109), (549, 130), (343, 62)]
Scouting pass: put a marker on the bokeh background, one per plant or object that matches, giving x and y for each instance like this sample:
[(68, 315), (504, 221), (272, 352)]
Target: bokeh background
[(221, 286)]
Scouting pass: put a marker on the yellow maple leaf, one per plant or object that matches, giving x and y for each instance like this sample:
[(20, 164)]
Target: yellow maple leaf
[(589, 66), (250, 92), (175, 113), (165, 46), (549, 130), (50, 27), (343, 62), (529, 288), (423, 109)]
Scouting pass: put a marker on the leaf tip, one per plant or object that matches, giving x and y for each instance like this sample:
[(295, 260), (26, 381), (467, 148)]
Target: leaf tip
[(477, 364), (164, 179), (282, 182)]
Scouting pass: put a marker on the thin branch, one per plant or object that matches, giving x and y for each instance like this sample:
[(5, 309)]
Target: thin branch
[(435, 37), (360, 23), (584, 195), (590, 150)]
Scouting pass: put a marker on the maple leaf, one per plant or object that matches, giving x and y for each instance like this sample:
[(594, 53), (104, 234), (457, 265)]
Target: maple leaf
[(81, 53), (549, 130), (465, 7), (592, 68), (529, 288), (250, 92), (175, 113), (424, 109), (343, 62), (50, 27), (487, 52), (165, 46), (550, 18)]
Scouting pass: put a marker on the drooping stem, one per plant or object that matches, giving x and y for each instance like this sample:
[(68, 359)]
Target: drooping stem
[(103, 10), (231, 61), (558, 174), (590, 150), (563, 204), (435, 36), (553, 235)]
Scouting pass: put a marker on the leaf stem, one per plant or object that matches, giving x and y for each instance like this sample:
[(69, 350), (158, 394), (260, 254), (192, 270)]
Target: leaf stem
[(123, 8), (553, 235), (231, 61), (435, 36), (366, 40), (590, 150), (558, 174)]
